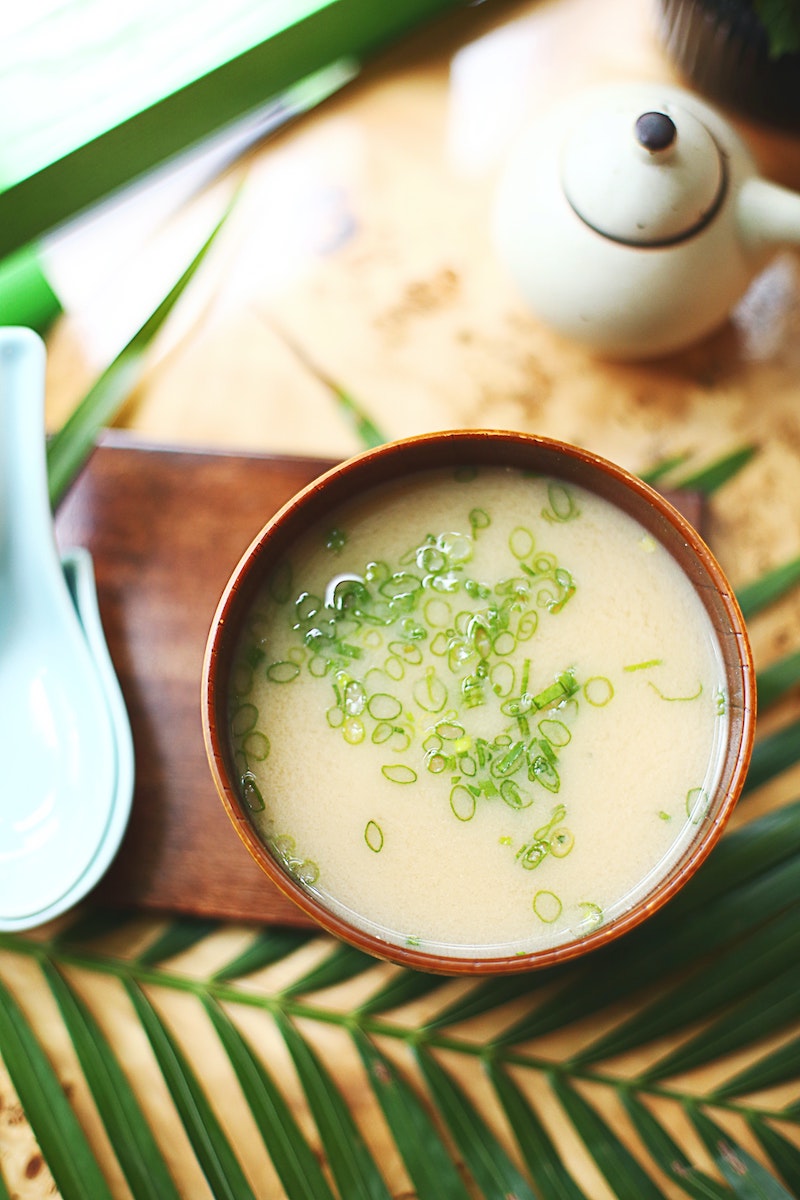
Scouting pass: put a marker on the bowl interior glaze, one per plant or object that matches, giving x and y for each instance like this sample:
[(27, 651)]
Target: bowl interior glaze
[(558, 460)]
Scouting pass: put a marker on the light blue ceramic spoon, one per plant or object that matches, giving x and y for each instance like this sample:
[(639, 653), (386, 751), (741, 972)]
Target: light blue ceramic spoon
[(59, 755)]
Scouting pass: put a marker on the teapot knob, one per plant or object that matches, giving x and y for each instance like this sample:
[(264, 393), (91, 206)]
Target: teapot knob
[(649, 178), (655, 131)]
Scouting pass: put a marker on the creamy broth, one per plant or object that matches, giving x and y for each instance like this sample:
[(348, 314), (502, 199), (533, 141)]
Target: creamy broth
[(478, 712)]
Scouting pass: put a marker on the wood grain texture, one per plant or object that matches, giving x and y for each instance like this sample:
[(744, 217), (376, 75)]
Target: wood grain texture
[(165, 529)]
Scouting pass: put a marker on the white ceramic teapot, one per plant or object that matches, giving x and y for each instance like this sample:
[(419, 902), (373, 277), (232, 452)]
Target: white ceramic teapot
[(632, 219)]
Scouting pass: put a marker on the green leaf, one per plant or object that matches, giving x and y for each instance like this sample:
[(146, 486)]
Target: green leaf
[(784, 1155), (367, 431), (778, 1066), (91, 924), (748, 1179), (343, 963), (774, 681), (57, 1130), (270, 946), (4, 1192), (176, 939), (429, 1166), (664, 467), (293, 1158), (718, 981), (759, 594), (403, 988), (68, 449), (551, 1178), (353, 1167), (624, 1174), (772, 755), (211, 1147), (134, 1145), (493, 1171), (764, 1012), (781, 20), (668, 1154), (491, 993), (710, 478)]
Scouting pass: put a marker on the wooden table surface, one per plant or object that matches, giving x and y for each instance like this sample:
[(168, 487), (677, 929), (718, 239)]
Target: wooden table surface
[(357, 258)]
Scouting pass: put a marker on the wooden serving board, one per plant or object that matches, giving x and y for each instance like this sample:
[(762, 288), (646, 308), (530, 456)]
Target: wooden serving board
[(165, 529)]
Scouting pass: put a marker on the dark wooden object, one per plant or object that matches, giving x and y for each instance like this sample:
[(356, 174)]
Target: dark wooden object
[(165, 529)]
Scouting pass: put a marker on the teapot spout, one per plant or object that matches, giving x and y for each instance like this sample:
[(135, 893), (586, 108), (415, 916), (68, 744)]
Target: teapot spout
[(767, 215)]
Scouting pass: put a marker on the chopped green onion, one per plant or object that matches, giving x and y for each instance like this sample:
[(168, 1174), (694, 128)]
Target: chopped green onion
[(521, 542), (282, 672), (479, 519), (547, 907), (671, 699), (598, 691), (251, 793), (562, 504), (243, 720), (256, 745), (373, 836), (462, 802), (399, 773)]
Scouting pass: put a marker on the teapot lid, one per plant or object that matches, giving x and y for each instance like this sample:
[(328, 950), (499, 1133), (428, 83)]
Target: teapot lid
[(644, 178)]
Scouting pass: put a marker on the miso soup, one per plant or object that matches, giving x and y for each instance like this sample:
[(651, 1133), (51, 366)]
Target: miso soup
[(479, 712)]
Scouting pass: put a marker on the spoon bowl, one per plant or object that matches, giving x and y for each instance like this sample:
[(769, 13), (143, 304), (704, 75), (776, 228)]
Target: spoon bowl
[(59, 743)]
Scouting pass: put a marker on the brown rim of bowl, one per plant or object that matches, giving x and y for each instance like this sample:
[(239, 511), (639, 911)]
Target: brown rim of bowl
[(498, 448)]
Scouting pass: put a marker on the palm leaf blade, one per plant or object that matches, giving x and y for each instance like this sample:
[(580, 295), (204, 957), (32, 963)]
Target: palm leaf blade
[(784, 1155), (712, 984), (490, 1166), (775, 1068), (490, 994), (69, 448), (625, 1176), (354, 1169), (269, 947), (291, 1155), (764, 1012), (211, 1147), (343, 963), (772, 755), (402, 988), (427, 1161), (134, 1145), (774, 681), (55, 1126), (762, 592), (663, 467), (177, 938), (710, 478), (748, 1179), (668, 1154), (551, 1178)]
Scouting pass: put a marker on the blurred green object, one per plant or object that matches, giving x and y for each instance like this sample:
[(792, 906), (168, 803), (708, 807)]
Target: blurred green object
[(26, 297), (94, 95)]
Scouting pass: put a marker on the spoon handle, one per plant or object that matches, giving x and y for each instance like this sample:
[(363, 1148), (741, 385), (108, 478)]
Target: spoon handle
[(26, 524)]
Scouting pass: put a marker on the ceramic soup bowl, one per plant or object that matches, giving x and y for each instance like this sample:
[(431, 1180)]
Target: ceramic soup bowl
[(478, 701)]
